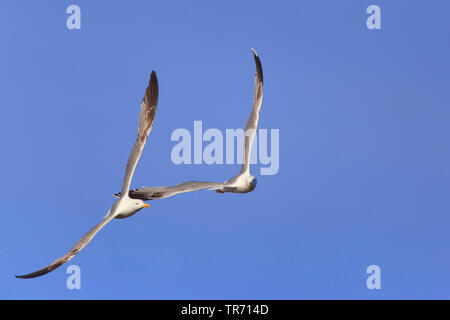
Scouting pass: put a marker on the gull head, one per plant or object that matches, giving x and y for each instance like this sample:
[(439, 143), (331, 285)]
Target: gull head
[(129, 207), (251, 182), (139, 204)]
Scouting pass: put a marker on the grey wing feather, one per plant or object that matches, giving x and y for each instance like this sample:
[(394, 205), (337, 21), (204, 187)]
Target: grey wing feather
[(252, 122), (146, 193), (69, 255), (146, 117)]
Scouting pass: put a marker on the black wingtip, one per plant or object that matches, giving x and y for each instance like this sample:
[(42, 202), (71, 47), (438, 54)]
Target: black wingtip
[(152, 92), (36, 273), (259, 71), (32, 275), (153, 78), (44, 270)]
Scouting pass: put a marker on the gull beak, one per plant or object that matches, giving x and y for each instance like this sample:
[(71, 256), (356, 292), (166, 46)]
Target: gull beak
[(145, 205)]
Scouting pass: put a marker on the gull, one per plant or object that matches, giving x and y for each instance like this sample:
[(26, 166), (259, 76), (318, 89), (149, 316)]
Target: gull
[(243, 182), (125, 206)]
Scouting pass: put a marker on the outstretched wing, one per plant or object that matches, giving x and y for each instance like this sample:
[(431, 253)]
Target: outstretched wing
[(146, 193), (252, 122), (146, 117), (69, 255)]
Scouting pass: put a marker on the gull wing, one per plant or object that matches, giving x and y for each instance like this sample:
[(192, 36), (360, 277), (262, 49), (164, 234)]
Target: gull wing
[(69, 255), (146, 193), (146, 117), (252, 122)]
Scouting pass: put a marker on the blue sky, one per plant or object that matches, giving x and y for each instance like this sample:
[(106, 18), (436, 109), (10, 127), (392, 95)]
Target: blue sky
[(364, 173)]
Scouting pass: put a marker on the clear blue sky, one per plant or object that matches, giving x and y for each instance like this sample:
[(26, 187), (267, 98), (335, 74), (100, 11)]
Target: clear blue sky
[(364, 148)]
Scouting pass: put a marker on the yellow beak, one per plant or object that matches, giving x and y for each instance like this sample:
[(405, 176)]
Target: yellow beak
[(145, 205)]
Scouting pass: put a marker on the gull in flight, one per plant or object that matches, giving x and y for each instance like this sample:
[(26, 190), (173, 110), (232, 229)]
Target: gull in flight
[(243, 182), (125, 206)]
